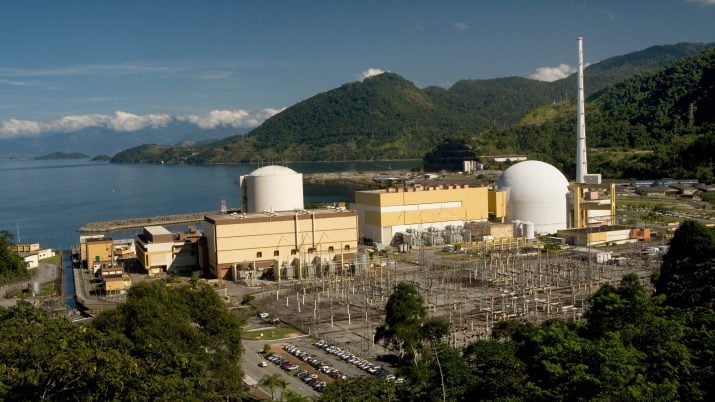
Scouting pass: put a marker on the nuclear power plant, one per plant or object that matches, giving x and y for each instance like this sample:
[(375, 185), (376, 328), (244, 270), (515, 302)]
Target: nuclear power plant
[(501, 271), (273, 236), (477, 253)]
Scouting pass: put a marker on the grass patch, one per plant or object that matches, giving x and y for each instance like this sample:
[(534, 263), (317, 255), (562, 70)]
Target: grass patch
[(54, 260), (271, 334), (48, 289)]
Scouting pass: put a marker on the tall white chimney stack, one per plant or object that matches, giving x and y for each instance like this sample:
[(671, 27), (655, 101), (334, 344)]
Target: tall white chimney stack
[(581, 163)]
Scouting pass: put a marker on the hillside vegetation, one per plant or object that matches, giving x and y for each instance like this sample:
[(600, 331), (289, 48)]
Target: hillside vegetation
[(660, 124), (388, 117)]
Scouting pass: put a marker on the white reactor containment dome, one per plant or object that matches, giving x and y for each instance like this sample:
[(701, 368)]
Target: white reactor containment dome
[(536, 192), (271, 188)]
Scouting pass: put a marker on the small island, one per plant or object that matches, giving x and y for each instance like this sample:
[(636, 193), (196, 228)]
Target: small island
[(63, 155)]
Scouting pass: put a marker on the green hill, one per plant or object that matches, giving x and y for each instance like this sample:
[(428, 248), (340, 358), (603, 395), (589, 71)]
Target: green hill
[(63, 155), (660, 124), (388, 117)]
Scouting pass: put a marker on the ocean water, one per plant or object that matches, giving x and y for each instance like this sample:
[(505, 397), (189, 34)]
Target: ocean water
[(47, 201)]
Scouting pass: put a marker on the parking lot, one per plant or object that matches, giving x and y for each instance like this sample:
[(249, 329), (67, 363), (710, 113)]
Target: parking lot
[(335, 362)]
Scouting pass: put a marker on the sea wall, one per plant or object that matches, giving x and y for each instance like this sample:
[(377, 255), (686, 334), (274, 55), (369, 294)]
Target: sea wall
[(104, 226)]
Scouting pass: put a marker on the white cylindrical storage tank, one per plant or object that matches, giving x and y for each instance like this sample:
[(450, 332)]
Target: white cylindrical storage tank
[(536, 192), (272, 188), (528, 230)]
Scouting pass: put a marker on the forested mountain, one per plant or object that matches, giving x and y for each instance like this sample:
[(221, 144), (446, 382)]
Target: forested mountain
[(105, 140), (386, 116), (660, 124)]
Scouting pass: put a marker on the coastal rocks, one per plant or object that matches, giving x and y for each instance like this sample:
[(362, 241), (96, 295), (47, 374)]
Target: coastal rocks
[(104, 226)]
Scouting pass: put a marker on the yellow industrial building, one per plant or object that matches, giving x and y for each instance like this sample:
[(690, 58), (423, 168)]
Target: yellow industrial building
[(384, 213), (159, 250), (285, 244), (95, 249)]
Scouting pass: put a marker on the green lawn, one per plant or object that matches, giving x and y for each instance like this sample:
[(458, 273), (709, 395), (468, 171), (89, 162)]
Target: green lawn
[(271, 334), (53, 260)]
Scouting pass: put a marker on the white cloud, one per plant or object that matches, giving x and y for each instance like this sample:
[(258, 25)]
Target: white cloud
[(16, 128), (703, 2), (461, 26), (550, 74), (92, 69), (120, 121), (229, 118), (124, 121), (369, 73), (127, 122), (73, 123)]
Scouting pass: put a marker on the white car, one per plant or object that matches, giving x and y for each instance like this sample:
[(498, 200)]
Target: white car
[(262, 364)]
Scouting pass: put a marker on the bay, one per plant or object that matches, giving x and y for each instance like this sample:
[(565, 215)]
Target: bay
[(46, 201)]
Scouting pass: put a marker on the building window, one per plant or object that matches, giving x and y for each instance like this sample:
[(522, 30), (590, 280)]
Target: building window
[(293, 252), (276, 253), (259, 254), (347, 247), (330, 248)]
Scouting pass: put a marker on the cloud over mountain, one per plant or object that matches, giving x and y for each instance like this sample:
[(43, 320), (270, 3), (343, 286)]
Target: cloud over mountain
[(369, 73), (229, 118), (550, 74), (128, 122)]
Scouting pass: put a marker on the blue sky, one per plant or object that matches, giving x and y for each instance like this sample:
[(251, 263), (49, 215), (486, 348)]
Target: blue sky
[(65, 65)]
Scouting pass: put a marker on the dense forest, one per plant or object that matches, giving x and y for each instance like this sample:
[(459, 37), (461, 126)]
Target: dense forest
[(388, 117), (166, 342), (179, 342)]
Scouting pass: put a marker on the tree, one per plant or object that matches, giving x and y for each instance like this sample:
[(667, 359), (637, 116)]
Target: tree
[(498, 373), (442, 374), (642, 325), (687, 274), (188, 343), (272, 382), (687, 281), (11, 265), (361, 389), (404, 315), (291, 396), (43, 358)]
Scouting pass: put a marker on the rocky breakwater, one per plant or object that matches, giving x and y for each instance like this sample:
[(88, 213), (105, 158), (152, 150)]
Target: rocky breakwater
[(364, 178), (105, 226)]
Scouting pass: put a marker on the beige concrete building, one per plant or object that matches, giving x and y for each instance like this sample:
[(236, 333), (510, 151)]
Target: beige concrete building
[(30, 259), (159, 250), (384, 213), (116, 283), (32, 248), (25, 247), (295, 244)]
